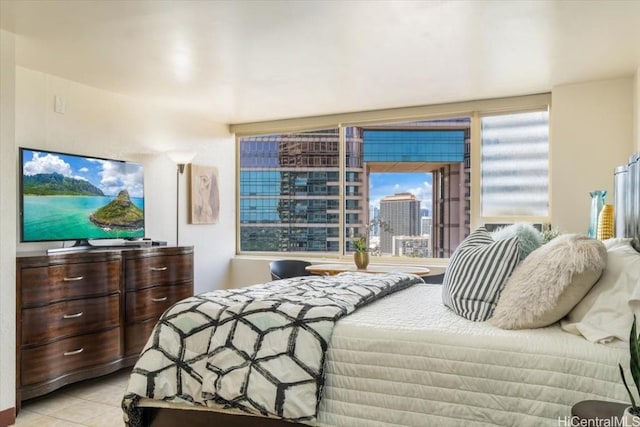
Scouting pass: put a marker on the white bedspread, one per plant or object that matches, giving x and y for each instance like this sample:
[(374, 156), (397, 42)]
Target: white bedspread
[(407, 360)]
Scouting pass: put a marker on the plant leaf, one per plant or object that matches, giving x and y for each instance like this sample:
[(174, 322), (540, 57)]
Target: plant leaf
[(634, 350), (624, 381)]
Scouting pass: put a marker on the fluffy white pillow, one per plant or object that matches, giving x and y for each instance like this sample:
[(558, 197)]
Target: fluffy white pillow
[(606, 312), (550, 282), (476, 274)]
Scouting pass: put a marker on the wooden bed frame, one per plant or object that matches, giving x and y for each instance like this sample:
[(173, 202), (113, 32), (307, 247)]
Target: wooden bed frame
[(165, 417)]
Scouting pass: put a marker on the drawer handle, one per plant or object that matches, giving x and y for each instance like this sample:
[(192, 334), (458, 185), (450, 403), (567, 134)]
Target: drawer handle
[(71, 353), (158, 268), (73, 279), (159, 299), (73, 316)]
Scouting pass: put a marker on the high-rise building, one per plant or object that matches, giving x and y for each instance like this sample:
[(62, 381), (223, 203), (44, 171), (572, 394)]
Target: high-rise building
[(401, 212), (289, 192), (374, 216), (426, 223)]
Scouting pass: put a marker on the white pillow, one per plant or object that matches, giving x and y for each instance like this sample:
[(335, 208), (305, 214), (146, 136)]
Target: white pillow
[(605, 313), (550, 282), (476, 274)]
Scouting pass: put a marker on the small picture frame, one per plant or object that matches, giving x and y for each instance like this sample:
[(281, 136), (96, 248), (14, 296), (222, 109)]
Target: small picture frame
[(205, 200)]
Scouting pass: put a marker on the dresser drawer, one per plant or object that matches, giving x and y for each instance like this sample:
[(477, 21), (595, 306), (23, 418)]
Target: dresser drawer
[(42, 285), (67, 318), (50, 361), (136, 336), (152, 302), (158, 270)]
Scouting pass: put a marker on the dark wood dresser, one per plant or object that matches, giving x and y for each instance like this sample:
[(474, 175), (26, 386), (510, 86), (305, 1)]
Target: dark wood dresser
[(153, 281), (84, 314)]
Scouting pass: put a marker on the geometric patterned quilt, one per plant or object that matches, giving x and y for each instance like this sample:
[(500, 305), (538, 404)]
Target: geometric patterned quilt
[(259, 349)]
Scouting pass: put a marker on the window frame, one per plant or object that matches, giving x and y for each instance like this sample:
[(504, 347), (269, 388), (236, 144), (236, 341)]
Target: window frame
[(476, 172), (475, 110)]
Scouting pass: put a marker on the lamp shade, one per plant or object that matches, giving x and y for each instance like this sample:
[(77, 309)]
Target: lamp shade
[(181, 157)]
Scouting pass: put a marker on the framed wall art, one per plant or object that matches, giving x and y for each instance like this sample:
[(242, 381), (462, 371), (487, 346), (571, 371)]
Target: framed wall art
[(205, 200)]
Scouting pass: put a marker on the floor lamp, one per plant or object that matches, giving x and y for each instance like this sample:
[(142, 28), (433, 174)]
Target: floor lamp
[(181, 159)]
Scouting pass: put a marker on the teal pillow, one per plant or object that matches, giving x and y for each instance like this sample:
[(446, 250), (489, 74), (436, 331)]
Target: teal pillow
[(529, 238)]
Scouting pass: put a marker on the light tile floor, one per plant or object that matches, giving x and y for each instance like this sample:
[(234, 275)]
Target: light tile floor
[(94, 403)]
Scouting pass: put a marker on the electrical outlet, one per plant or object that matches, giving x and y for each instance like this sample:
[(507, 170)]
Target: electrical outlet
[(59, 104)]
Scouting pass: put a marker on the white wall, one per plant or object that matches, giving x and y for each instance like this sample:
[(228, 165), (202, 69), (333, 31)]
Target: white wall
[(104, 124), (591, 133), (7, 221)]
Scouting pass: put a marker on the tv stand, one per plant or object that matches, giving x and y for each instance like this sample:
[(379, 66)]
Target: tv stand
[(85, 314), (79, 246), (82, 242), (85, 245)]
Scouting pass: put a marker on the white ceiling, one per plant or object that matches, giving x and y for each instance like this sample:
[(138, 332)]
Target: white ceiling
[(243, 61)]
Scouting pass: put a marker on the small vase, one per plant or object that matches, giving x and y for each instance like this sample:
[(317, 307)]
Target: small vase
[(361, 259), (605, 223), (628, 419), (597, 202)]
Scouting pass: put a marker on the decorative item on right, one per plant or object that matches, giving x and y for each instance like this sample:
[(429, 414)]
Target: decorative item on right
[(361, 259), (605, 223), (361, 255), (597, 203), (362, 244)]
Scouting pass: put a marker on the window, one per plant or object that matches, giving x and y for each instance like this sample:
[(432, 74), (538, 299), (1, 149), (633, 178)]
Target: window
[(399, 162), (289, 198), (425, 181), (289, 191), (515, 165)]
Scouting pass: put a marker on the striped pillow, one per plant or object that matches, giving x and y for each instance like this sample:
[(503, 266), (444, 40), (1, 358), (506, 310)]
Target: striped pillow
[(477, 272)]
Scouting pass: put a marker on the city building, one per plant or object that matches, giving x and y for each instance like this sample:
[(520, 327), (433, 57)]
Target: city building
[(425, 225), (290, 186), (401, 212), (411, 246), (289, 192)]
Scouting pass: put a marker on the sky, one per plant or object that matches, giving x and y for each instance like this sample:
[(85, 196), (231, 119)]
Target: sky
[(108, 175), (388, 184)]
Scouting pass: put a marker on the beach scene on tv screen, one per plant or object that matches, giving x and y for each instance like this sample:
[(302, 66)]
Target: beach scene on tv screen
[(68, 197)]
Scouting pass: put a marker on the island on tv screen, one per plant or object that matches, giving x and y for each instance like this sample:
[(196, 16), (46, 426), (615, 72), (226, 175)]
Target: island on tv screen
[(71, 197)]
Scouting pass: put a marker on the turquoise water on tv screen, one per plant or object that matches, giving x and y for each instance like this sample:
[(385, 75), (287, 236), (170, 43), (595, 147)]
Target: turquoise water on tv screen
[(67, 218)]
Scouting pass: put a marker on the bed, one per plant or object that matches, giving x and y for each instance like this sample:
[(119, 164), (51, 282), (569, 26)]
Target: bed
[(399, 352), (405, 359)]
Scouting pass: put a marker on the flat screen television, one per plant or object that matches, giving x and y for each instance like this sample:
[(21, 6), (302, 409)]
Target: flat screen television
[(69, 197)]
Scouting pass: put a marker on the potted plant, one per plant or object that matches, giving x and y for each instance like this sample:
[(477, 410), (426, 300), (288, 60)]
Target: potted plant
[(361, 243), (632, 413), (361, 255)]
